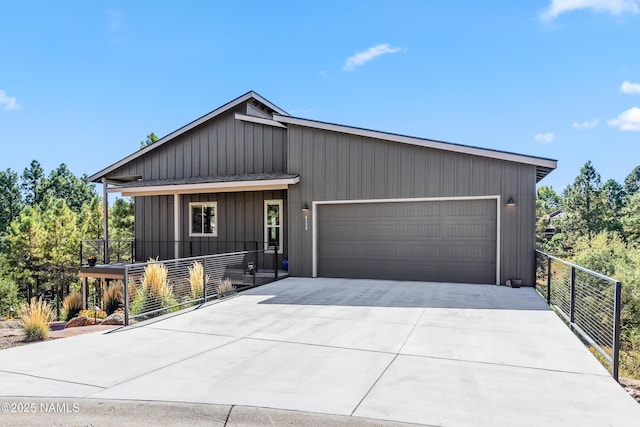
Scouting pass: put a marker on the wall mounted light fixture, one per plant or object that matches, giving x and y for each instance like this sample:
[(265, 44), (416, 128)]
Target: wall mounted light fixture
[(511, 202), (305, 213)]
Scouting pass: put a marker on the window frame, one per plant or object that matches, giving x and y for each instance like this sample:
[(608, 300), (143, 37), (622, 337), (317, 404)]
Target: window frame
[(215, 222), (280, 204)]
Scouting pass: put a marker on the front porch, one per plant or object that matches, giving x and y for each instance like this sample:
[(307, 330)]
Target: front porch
[(159, 286)]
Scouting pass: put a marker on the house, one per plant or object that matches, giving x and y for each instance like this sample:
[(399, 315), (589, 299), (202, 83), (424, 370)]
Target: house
[(335, 200), (552, 223)]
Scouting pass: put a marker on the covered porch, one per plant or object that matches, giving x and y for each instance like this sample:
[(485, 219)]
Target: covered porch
[(196, 216)]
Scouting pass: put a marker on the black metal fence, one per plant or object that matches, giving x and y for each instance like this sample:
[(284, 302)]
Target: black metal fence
[(156, 288), (588, 301), (130, 251)]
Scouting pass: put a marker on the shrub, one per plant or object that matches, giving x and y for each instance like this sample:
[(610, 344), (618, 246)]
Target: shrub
[(132, 289), (91, 313), (155, 292), (196, 272), (8, 297), (72, 305), (36, 317), (113, 298), (224, 286)]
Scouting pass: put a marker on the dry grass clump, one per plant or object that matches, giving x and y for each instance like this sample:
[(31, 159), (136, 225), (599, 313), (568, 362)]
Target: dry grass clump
[(155, 292), (154, 279), (224, 286), (36, 317), (72, 305), (113, 298), (132, 289), (196, 274)]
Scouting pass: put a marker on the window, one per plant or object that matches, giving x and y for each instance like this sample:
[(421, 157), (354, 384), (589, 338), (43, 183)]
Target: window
[(273, 224), (203, 219)]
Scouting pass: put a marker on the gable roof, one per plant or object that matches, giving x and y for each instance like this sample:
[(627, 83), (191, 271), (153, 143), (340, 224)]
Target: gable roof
[(273, 109), (543, 165)]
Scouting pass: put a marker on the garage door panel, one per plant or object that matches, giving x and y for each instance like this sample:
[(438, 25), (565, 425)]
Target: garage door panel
[(435, 241)]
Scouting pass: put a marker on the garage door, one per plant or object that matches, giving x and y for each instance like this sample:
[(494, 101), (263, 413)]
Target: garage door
[(443, 241)]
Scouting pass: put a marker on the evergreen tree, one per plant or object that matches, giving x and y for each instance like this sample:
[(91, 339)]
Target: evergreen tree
[(584, 205), (630, 219), (10, 198), (632, 181), (23, 251), (547, 200), (63, 184), (60, 246), (151, 139), (122, 219), (33, 184), (613, 195)]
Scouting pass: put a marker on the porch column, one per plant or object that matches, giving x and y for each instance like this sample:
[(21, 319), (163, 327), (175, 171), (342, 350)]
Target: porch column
[(105, 214), (176, 225), (85, 292)]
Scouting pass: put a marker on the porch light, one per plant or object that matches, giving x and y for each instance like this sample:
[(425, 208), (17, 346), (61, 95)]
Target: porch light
[(511, 202), (305, 213)]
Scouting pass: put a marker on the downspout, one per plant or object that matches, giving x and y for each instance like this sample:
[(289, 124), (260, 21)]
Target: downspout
[(105, 215)]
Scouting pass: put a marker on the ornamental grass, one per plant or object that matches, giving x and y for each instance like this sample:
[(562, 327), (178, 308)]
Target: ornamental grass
[(196, 276), (72, 305), (36, 317), (225, 286), (155, 292), (113, 298)]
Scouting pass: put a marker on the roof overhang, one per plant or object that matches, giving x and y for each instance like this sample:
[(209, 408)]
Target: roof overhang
[(543, 165), (199, 185), (228, 106)]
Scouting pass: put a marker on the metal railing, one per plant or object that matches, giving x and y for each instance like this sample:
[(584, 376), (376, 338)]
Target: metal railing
[(130, 251), (156, 288), (120, 251), (588, 301)]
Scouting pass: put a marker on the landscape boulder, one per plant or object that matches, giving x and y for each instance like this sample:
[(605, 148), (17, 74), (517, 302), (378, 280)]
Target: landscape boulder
[(80, 321), (115, 318)]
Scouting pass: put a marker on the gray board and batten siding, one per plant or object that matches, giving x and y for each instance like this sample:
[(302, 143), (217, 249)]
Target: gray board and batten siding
[(240, 219), (218, 147), (464, 189), (334, 166), (221, 146)]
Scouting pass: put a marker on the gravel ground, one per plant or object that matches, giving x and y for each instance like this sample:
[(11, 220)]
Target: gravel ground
[(11, 334), (11, 341)]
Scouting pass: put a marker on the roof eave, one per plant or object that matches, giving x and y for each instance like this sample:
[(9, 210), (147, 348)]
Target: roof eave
[(229, 105), (540, 162)]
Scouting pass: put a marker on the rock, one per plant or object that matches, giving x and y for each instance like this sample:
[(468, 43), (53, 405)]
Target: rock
[(81, 321), (11, 324), (115, 318)]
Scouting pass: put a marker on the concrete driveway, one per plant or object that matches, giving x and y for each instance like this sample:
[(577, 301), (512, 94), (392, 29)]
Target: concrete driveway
[(425, 353)]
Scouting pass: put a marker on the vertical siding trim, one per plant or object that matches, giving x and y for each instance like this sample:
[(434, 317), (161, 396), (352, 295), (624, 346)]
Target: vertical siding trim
[(176, 225)]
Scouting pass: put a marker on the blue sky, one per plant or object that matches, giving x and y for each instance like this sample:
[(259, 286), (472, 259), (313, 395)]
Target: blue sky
[(83, 82)]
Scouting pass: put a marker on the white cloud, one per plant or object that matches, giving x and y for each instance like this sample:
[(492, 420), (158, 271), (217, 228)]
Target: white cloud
[(365, 56), (586, 125), (627, 120), (9, 102), (545, 138), (628, 87), (614, 7)]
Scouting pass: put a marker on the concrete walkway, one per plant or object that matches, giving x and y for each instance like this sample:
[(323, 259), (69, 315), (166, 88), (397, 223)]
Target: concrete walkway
[(425, 353)]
